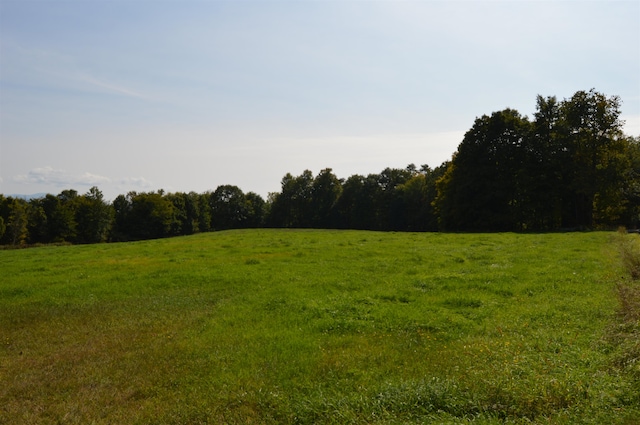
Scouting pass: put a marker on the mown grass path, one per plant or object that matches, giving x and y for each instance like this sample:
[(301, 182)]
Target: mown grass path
[(293, 326)]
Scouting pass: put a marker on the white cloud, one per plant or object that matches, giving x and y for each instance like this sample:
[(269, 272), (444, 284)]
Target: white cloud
[(51, 176), (132, 183), (48, 179), (90, 179)]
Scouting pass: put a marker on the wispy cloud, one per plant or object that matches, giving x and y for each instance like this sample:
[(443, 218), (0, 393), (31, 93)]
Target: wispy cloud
[(56, 177), (111, 87), (49, 67)]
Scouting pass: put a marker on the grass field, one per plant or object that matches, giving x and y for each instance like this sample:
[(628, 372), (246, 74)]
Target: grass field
[(292, 326)]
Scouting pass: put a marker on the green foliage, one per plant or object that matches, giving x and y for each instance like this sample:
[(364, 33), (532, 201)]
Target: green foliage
[(418, 195), (232, 209), (355, 208), (570, 167), (307, 326), (325, 191), (591, 130), (481, 190), (93, 217), (292, 206), (15, 220), (144, 216), (59, 220)]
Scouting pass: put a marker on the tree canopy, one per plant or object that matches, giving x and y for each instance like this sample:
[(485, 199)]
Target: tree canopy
[(570, 166)]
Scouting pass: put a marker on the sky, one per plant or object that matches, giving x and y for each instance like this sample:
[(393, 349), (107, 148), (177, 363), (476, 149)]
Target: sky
[(142, 95)]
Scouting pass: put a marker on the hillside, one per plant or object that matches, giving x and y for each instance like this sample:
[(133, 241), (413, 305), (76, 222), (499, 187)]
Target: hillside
[(310, 326)]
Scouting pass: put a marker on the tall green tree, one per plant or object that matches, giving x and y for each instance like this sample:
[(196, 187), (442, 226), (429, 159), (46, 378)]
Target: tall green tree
[(121, 210), (325, 191), (146, 215), (355, 208), (292, 206), (228, 208), (543, 180), (591, 131), (631, 186), (201, 204), (152, 215), (94, 217), (38, 222), (188, 211), (389, 200), (480, 190), (255, 207), (616, 200), (418, 194), (17, 226), (179, 223), (60, 211), (14, 213)]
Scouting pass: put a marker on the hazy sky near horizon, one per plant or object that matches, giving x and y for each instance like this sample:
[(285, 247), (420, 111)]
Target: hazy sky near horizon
[(188, 95)]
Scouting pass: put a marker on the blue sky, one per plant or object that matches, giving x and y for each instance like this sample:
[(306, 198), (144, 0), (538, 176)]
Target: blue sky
[(188, 95)]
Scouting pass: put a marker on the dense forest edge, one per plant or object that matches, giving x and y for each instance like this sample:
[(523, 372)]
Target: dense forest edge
[(570, 167)]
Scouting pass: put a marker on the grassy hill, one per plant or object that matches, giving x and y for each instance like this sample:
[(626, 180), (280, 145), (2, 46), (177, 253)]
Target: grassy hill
[(293, 326)]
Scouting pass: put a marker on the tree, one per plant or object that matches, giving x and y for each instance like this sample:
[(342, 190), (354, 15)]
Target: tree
[(38, 222), (201, 204), (188, 210), (143, 216), (591, 131), (16, 222), (66, 215), (291, 207), (418, 194), (325, 191), (122, 209), (617, 199), (480, 189), (355, 208), (543, 181), (389, 200), (228, 208), (255, 207), (59, 221), (94, 217), (631, 186)]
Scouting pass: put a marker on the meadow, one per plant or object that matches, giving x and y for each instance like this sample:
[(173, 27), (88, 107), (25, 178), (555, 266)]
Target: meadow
[(317, 327)]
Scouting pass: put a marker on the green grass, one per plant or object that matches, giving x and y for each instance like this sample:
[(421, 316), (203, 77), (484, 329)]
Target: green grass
[(289, 326)]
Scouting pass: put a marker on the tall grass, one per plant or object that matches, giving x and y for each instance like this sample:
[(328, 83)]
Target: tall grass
[(624, 333), (629, 252), (285, 326)]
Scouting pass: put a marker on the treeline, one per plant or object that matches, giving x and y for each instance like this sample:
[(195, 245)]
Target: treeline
[(70, 217), (570, 167)]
